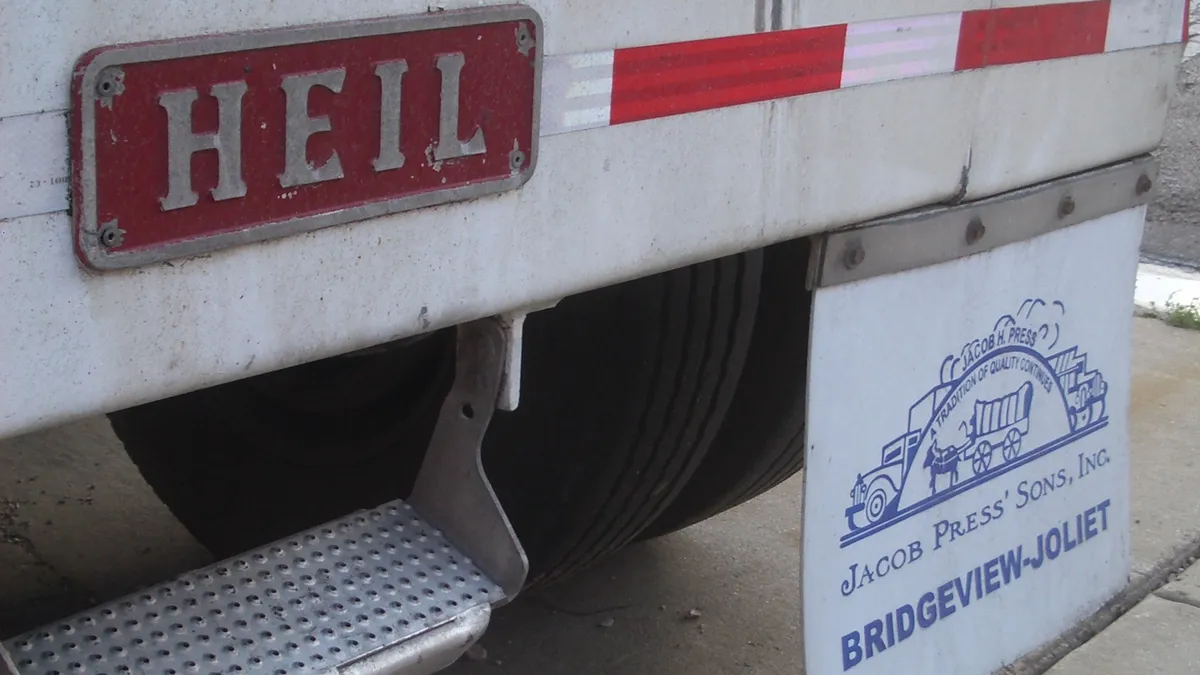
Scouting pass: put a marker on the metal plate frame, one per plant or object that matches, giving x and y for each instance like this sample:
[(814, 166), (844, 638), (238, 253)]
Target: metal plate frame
[(84, 96), (931, 236)]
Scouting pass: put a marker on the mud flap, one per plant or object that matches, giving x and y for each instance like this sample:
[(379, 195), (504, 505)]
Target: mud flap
[(967, 487)]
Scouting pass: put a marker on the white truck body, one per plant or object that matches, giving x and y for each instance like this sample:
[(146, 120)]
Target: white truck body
[(939, 173), (904, 126)]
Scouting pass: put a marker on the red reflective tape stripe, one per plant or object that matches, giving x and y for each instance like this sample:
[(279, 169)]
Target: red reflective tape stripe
[(992, 37), (672, 79)]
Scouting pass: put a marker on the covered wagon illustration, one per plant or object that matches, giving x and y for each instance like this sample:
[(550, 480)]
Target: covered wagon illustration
[(1002, 423)]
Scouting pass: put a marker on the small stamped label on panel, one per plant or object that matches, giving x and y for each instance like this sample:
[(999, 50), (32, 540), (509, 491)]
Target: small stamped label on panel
[(34, 176)]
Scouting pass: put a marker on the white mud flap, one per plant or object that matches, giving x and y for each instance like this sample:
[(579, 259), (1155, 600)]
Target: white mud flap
[(967, 488)]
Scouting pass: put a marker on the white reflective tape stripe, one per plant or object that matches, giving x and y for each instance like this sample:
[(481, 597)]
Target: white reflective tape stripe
[(586, 119), (577, 89), (576, 92), (879, 51), (602, 86), (1144, 23), (588, 59), (33, 164)]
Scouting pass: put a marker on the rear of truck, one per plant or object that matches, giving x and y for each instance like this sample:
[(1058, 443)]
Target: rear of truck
[(324, 320)]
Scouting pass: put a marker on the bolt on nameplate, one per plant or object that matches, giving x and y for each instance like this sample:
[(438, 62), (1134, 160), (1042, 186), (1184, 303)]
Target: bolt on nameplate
[(204, 143)]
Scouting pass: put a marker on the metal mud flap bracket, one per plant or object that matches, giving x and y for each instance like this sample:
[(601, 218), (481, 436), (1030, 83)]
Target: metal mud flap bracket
[(403, 588), (967, 469)]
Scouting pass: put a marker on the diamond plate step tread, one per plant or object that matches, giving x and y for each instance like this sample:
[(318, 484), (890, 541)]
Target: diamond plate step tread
[(311, 603)]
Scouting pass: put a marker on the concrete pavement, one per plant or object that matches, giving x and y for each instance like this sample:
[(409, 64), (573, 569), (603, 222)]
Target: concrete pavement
[(1157, 636), (1152, 628), (77, 524)]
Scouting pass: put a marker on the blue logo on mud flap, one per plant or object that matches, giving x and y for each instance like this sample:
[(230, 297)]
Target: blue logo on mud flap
[(1004, 400)]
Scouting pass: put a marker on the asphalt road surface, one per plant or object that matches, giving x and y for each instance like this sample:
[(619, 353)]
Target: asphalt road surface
[(1173, 223)]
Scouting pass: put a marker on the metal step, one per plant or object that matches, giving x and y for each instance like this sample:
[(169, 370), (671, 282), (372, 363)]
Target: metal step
[(380, 592), (322, 600)]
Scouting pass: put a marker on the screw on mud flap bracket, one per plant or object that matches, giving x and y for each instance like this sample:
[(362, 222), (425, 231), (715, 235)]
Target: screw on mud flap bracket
[(975, 231), (1144, 184), (854, 255), (111, 236), (525, 41), (1066, 207)]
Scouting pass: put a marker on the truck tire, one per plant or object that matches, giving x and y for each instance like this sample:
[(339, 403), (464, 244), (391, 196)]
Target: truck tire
[(761, 441), (623, 390)]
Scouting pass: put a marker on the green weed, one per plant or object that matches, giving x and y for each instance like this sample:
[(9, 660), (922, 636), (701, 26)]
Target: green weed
[(1182, 316)]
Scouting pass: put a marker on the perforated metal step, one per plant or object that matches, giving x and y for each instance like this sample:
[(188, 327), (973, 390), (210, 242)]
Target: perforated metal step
[(334, 598), (379, 592)]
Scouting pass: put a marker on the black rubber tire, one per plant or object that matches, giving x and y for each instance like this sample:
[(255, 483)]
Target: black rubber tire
[(623, 390), (239, 467), (761, 442), (614, 423)]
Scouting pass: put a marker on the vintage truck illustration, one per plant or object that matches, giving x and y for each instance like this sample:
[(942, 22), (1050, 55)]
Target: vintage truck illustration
[(1086, 390), (995, 424)]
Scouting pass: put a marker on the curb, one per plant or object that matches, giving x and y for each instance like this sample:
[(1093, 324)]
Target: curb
[(1140, 587), (1160, 288)]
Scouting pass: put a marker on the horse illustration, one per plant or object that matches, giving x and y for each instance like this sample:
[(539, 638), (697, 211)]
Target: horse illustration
[(941, 462)]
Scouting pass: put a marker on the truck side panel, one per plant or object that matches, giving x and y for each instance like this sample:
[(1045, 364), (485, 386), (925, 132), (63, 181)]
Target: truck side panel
[(605, 205)]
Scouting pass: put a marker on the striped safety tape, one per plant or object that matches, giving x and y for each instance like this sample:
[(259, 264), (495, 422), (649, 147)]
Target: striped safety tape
[(598, 89)]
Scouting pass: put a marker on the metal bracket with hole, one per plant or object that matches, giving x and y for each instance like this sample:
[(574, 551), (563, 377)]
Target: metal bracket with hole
[(7, 667), (451, 488)]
